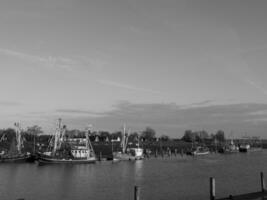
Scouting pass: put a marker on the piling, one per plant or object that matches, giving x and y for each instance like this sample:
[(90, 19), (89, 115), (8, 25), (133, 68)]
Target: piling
[(136, 193), (100, 156), (212, 188), (170, 153), (263, 186)]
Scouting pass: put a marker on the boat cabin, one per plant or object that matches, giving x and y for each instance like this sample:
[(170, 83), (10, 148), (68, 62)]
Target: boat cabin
[(80, 152)]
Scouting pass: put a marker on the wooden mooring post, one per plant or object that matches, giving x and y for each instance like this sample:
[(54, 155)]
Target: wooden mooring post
[(100, 156), (212, 188), (136, 193), (263, 186)]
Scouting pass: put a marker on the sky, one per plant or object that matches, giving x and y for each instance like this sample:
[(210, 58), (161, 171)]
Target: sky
[(172, 65)]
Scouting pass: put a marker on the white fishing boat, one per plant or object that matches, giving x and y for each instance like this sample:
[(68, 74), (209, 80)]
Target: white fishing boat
[(229, 148), (65, 153), (135, 153)]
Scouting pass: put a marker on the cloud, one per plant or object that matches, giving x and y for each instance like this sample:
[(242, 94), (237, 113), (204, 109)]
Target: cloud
[(173, 120), (50, 61), (56, 62), (198, 104), (170, 119), (80, 112), (127, 87)]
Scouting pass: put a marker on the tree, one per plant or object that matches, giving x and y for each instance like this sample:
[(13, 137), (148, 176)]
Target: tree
[(148, 134), (220, 136), (189, 136), (34, 130), (202, 135), (164, 138)]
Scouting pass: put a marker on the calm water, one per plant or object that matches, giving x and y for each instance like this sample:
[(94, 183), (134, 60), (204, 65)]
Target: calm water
[(160, 179)]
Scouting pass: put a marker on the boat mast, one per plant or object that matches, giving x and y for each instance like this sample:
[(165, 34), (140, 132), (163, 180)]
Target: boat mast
[(57, 136), (138, 141), (124, 139), (88, 142), (62, 136), (18, 136)]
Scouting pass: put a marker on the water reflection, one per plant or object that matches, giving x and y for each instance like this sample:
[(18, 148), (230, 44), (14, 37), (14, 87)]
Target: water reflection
[(139, 169)]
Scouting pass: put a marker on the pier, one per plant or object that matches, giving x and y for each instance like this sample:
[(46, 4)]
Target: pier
[(262, 194)]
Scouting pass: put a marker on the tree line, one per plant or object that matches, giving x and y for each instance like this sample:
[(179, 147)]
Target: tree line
[(149, 134), (201, 136)]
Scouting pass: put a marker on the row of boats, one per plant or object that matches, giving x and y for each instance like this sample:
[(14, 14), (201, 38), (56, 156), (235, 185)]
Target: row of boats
[(63, 151), (229, 148)]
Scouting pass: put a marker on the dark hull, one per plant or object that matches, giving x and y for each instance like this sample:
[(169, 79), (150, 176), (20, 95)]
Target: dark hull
[(16, 159), (243, 150), (50, 160)]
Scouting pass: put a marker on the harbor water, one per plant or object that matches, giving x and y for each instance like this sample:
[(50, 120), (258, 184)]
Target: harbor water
[(159, 178)]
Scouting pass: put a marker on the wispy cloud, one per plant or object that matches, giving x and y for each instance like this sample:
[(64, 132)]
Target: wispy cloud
[(80, 112), (198, 104), (56, 62), (127, 87), (173, 120), (48, 61)]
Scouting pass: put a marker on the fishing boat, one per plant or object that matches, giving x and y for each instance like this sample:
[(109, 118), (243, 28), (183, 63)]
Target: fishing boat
[(230, 148), (244, 148), (247, 148), (15, 153), (65, 153), (135, 153)]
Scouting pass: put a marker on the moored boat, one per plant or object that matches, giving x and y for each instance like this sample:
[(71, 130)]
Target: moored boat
[(65, 153), (135, 153), (16, 158), (247, 148), (244, 147), (230, 148), (15, 154), (198, 151)]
